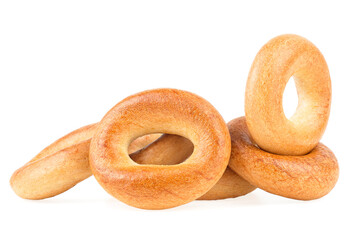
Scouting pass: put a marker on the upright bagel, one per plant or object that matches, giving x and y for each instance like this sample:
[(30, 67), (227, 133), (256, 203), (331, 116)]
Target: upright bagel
[(61, 165), (277, 61), (160, 186), (304, 177)]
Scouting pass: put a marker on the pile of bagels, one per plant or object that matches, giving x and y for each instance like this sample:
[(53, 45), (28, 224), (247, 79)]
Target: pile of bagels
[(163, 148)]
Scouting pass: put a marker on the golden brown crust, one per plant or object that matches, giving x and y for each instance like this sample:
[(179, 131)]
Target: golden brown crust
[(169, 149), (142, 142), (61, 165), (160, 186), (77, 136), (277, 61), (230, 185), (304, 177), (53, 174)]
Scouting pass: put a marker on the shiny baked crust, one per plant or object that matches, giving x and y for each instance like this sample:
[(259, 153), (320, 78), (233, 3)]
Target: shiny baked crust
[(160, 186), (306, 177), (277, 61)]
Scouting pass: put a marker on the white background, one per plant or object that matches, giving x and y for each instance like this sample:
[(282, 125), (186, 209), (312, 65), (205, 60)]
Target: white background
[(64, 64)]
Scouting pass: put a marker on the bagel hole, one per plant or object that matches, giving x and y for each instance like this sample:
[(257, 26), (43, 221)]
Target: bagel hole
[(290, 98), (160, 149)]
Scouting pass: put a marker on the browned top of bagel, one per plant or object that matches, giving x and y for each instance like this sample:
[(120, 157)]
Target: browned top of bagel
[(303, 177), (160, 186)]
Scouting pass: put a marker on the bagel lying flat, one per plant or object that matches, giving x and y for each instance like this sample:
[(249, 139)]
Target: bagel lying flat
[(304, 177), (160, 186)]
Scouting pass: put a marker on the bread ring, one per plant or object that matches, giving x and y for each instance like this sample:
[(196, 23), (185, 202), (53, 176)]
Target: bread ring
[(61, 165), (174, 149), (280, 59), (300, 177), (160, 186)]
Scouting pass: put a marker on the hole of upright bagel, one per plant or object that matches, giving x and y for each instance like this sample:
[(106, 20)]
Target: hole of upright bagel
[(290, 98)]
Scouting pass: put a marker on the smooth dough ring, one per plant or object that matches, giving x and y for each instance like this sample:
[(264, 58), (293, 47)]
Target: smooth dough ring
[(277, 61), (299, 177), (160, 186)]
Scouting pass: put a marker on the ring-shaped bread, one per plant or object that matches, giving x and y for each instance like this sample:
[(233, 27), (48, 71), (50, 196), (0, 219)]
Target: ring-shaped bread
[(160, 186), (277, 61), (306, 177)]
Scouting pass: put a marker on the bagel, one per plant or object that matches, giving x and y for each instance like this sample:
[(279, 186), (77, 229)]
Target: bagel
[(174, 149), (277, 61), (61, 165), (160, 186), (306, 177)]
